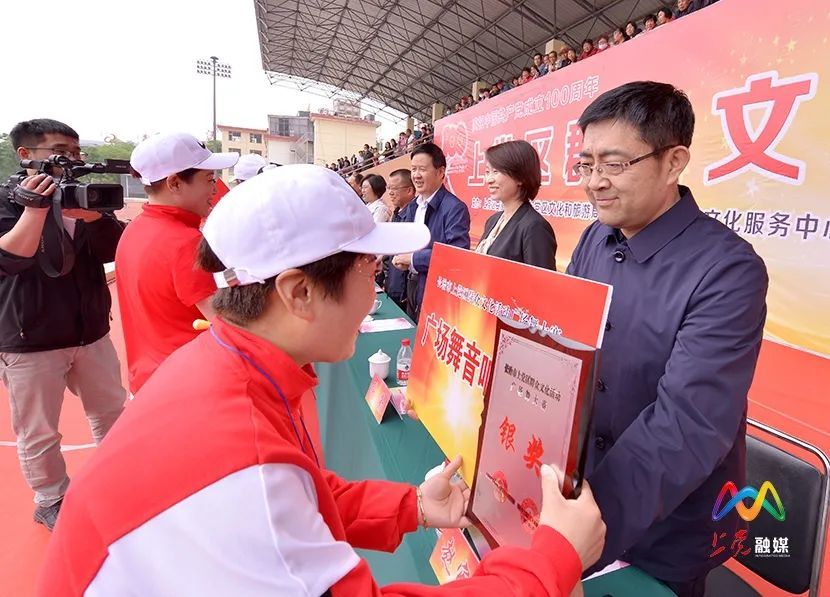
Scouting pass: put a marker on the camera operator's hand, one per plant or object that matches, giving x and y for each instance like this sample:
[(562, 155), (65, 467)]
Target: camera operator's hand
[(40, 184), (81, 214), (24, 239)]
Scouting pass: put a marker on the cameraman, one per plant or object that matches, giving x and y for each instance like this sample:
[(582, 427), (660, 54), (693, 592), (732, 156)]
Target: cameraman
[(54, 331)]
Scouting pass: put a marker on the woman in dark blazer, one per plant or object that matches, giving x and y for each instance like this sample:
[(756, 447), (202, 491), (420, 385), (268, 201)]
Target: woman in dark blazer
[(518, 233)]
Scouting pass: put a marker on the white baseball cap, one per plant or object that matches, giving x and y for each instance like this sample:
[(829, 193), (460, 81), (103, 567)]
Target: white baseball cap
[(248, 166), (159, 156), (295, 215)]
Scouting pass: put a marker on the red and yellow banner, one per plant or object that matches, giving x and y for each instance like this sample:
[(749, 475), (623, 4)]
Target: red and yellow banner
[(453, 558), (465, 293), (760, 155)]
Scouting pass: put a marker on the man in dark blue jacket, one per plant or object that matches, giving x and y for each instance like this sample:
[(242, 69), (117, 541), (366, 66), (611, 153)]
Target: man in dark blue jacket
[(401, 192), (683, 335), (446, 216)]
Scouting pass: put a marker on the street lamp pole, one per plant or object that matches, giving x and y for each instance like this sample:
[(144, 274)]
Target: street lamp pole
[(214, 59), (214, 68)]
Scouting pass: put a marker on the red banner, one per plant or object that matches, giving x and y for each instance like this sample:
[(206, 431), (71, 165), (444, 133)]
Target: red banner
[(759, 157), (755, 73)]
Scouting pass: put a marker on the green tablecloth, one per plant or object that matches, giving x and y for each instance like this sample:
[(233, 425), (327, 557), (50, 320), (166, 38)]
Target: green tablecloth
[(356, 447), (628, 582)]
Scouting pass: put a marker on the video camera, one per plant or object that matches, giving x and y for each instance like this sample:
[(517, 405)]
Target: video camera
[(71, 194)]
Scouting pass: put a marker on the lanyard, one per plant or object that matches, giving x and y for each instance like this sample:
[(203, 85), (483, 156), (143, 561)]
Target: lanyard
[(276, 386)]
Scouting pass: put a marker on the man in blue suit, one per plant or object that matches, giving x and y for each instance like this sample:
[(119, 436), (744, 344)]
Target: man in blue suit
[(446, 216), (401, 192)]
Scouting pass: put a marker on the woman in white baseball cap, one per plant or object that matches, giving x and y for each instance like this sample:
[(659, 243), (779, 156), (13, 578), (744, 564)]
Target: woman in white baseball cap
[(250, 165), (213, 485)]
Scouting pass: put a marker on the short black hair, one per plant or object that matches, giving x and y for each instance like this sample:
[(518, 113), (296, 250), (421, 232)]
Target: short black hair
[(358, 177), (539, 54), (650, 18), (31, 132), (405, 175), (377, 183), (439, 160), (661, 113), (519, 161), (157, 185), (241, 305), (666, 11)]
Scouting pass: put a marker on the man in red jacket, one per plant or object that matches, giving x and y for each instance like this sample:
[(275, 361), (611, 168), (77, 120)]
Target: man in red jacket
[(209, 483), (160, 292)]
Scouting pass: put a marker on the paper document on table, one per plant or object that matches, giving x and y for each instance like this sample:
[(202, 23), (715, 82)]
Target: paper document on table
[(385, 325), (612, 567)]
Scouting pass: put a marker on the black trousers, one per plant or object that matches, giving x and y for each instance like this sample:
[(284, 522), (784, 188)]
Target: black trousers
[(400, 301), (413, 306)]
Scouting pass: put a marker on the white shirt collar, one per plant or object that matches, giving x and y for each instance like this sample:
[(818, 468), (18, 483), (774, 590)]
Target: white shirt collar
[(424, 202)]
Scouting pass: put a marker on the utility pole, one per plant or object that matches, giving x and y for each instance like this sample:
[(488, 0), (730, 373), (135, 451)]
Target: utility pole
[(215, 69)]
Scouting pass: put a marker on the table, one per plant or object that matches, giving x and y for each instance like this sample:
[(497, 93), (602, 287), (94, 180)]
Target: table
[(627, 582), (356, 448)]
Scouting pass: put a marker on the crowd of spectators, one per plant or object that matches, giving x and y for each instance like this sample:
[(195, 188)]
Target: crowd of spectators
[(543, 64), (369, 157)]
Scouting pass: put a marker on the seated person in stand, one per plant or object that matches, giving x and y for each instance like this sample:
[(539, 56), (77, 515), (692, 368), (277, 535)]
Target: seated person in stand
[(588, 49), (649, 23), (631, 30)]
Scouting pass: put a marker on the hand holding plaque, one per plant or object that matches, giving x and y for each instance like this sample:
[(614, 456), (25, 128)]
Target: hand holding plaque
[(578, 520), (445, 501), (537, 405)]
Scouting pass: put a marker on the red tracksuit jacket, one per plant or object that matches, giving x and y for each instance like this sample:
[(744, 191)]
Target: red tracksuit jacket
[(203, 488)]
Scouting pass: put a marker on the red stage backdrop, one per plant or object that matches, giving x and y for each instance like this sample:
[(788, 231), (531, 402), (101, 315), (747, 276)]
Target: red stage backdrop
[(760, 158)]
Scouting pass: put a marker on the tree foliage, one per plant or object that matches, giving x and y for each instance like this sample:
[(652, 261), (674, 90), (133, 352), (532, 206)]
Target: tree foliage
[(8, 157), (113, 149)]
